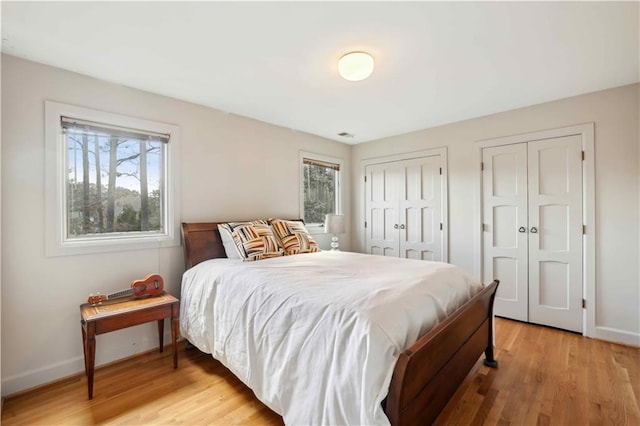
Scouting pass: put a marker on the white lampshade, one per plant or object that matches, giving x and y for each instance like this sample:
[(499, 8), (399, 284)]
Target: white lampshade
[(355, 66), (334, 224)]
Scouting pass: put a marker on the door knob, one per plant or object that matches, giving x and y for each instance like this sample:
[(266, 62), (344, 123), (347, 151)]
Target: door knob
[(522, 229), (401, 226), (395, 226), (534, 230)]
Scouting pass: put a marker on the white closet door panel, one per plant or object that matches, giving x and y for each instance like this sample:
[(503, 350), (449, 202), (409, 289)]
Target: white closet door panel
[(420, 206), (381, 204), (504, 214), (555, 232)]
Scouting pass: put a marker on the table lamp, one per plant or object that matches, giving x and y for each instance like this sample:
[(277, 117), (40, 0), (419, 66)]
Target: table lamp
[(334, 224)]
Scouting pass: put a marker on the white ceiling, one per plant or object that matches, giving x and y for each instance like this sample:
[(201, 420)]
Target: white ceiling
[(436, 63)]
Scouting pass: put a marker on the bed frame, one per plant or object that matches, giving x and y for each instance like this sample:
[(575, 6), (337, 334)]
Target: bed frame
[(426, 374)]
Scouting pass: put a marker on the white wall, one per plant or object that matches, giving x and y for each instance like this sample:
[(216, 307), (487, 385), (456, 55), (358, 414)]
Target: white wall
[(40, 336), (615, 113), (232, 168)]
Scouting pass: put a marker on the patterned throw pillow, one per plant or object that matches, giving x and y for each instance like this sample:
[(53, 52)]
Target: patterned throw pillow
[(255, 240), (293, 236)]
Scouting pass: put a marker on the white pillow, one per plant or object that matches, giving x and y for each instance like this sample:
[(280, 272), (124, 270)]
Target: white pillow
[(230, 247)]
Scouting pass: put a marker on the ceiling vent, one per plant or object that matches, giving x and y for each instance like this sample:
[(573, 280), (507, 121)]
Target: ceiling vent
[(345, 134)]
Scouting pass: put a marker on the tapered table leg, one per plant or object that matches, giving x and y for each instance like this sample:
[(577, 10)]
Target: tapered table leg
[(161, 334), (90, 352), (84, 347), (175, 312)]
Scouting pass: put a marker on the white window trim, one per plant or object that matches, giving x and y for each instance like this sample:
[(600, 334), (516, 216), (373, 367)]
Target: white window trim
[(315, 228), (57, 244)]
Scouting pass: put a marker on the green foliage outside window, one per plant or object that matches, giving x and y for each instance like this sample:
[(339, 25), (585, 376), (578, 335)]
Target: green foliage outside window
[(320, 191)]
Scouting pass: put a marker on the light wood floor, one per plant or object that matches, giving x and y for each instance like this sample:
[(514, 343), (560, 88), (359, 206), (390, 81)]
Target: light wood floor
[(546, 376)]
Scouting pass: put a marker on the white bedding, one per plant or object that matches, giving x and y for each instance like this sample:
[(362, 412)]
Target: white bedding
[(316, 336)]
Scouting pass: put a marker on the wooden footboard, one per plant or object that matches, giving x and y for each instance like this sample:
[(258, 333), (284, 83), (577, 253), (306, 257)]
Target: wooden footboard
[(430, 371)]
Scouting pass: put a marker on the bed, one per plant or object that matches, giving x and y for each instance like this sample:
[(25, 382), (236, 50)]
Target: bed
[(425, 373)]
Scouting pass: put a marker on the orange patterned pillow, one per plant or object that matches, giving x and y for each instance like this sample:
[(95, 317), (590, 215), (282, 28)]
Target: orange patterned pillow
[(293, 236), (255, 240)]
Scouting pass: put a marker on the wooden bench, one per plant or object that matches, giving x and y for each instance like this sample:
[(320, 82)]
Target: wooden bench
[(110, 316)]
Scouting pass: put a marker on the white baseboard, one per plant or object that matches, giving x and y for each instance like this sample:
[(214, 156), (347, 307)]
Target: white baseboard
[(42, 375), (105, 354), (618, 336)]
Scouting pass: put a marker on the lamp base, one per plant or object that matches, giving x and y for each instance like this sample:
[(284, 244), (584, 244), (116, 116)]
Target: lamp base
[(334, 243)]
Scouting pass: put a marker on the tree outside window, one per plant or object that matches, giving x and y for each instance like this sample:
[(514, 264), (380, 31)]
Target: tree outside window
[(320, 183), (114, 180)]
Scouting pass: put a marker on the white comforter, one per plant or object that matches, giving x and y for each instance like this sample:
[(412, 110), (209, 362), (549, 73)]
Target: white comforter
[(316, 336)]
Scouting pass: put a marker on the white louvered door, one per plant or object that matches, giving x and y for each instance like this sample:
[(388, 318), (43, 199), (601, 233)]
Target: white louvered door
[(532, 230), (404, 208)]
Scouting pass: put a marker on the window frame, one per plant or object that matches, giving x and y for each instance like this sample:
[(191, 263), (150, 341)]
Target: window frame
[(318, 228), (57, 241)]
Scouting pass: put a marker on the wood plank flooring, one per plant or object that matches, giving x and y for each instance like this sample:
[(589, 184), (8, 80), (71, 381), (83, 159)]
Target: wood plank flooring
[(545, 377)]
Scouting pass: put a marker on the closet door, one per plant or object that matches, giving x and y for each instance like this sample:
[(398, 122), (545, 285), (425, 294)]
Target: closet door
[(381, 203), (505, 224), (404, 208), (532, 239), (555, 232), (421, 209)]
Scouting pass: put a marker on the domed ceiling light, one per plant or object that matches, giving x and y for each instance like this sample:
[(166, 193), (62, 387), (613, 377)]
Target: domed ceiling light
[(355, 66)]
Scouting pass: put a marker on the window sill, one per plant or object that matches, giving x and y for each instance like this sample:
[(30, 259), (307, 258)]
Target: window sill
[(315, 229), (106, 245)]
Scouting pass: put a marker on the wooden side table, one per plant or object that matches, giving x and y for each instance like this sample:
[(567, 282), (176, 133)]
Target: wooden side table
[(110, 316)]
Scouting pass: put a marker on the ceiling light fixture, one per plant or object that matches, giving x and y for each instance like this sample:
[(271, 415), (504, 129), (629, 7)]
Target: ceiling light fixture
[(355, 66)]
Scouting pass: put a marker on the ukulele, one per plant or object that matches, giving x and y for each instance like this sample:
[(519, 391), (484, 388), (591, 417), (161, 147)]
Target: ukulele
[(151, 285)]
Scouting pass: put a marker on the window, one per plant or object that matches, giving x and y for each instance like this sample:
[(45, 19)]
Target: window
[(113, 184), (113, 181), (320, 179)]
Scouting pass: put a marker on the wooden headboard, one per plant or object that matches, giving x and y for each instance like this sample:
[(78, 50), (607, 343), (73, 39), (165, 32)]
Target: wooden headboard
[(201, 241)]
